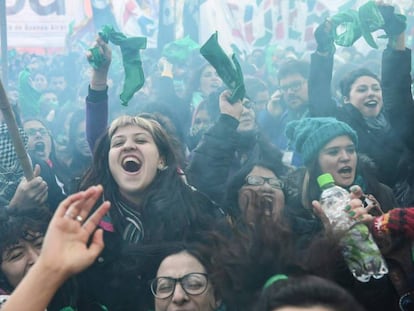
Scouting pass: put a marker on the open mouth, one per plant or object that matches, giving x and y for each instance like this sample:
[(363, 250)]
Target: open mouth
[(39, 146), (371, 104), (131, 165), (346, 170)]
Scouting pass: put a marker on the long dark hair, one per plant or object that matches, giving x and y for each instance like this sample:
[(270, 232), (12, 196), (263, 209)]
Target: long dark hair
[(167, 198)]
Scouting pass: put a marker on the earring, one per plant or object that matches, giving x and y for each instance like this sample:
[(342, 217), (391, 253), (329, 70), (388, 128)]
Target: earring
[(162, 167)]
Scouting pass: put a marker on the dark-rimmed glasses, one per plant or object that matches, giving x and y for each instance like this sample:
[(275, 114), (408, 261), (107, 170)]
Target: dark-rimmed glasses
[(193, 284), (294, 86), (254, 180)]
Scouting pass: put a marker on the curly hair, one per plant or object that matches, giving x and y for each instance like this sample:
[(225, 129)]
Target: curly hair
[(20, 224)]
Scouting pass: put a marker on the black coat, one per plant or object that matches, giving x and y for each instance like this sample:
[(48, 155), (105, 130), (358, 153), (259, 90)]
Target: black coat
[(385, 146)]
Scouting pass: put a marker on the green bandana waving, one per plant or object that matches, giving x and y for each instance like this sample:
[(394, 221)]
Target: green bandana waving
[(131, 59), (228, 70)]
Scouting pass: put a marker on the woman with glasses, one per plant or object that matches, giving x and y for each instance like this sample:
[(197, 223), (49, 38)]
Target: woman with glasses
[(182, 282), (255, 190), (41, 148)]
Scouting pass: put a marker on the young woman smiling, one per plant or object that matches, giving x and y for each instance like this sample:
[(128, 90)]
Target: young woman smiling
[(139, 166)]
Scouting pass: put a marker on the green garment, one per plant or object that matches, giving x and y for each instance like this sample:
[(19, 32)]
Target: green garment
[(28, 95), (131, 59), (229, 70)]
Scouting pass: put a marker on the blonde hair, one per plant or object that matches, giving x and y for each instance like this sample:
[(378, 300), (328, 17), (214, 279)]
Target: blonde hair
[(149, 125)]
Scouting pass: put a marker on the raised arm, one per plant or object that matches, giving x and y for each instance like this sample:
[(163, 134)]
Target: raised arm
[(321, 103), (396, 88), (212, 159), (97, 99)]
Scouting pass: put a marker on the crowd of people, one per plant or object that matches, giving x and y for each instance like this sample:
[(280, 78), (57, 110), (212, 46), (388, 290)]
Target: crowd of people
[(185, 200)]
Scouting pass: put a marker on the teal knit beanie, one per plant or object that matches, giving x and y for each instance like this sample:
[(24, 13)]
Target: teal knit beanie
[(310, 135)]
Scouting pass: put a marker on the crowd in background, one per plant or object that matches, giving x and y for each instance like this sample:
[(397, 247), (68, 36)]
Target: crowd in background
[(205, 204)]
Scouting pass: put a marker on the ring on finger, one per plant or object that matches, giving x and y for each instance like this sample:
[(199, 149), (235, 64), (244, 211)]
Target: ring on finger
[(79, 218)]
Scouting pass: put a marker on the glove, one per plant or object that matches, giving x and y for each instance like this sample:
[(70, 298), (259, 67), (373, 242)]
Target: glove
[(394, 24), (324, 37)]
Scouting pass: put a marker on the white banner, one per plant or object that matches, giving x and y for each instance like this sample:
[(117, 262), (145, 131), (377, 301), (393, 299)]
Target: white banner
[(245, 24), (41, 23)]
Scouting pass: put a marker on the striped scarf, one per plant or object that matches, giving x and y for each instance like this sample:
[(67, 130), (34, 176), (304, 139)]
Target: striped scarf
[(133, 231)]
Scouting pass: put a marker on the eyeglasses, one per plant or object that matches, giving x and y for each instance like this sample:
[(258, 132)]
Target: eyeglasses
[(253, 180), (193, 284), (294, 86), (33, 131)]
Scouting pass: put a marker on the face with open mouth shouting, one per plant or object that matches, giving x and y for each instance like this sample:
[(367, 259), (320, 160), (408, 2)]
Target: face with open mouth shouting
[(339, 158), (268, 199), (133, 161), (209, 80), (366, 96), (39, 140)]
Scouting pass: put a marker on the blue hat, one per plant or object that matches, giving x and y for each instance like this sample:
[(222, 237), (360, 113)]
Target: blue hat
[(310, 135)]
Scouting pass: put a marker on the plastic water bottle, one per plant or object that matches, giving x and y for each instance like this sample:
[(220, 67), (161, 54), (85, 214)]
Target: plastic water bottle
[(359, 249)]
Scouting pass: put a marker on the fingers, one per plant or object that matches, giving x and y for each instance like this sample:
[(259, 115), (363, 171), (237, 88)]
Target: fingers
[(41, 197), (66, 203), (97, 244), (36, 171), (357, 211), (79, 209), (91, 196), (225, 95), (92, 222), (317, 208), (356, 192)]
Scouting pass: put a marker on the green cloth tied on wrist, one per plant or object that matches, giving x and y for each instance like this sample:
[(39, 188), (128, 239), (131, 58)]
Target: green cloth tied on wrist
[(229, 70), (131, 60), (178, 51)]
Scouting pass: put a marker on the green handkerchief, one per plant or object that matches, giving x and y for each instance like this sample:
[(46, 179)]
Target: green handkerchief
[(131, 60), (229, 70), (349, 20)]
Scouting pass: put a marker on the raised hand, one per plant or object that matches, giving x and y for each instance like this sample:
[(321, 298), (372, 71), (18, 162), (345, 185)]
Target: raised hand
[(65, 247), (66, 250), (31, 193), (235, 110), (100, 57)]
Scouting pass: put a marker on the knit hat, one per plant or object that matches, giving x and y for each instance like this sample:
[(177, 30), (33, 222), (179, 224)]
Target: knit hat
[(310, 135)]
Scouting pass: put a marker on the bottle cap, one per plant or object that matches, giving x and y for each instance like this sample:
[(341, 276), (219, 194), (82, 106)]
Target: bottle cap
[(325, 179)]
